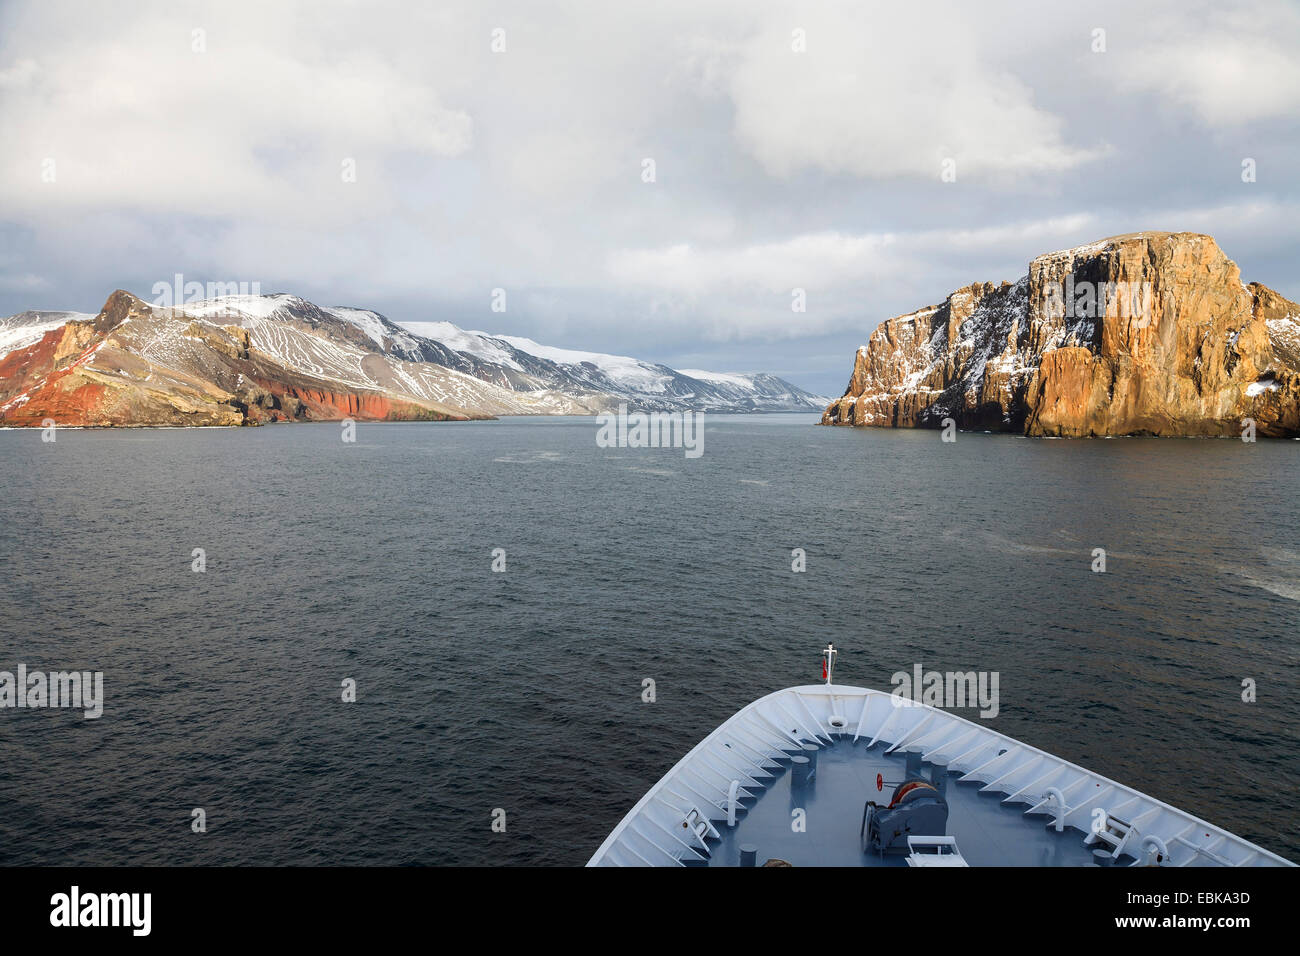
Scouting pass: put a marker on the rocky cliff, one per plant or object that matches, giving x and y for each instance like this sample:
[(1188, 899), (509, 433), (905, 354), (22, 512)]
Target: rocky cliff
[(1146, 334)]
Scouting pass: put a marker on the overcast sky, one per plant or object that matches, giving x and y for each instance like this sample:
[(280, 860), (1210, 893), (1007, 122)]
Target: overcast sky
[(794, 146)]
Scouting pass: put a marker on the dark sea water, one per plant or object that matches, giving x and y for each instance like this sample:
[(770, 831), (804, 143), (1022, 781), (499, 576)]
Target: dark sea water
[(522, 690)]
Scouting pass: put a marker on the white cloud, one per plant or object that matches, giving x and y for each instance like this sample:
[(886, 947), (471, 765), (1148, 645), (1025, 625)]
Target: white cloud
[(863, 101), (134, 117), (819, 259), (737, 291), (1229, 65), (825, 260), (851, 281)]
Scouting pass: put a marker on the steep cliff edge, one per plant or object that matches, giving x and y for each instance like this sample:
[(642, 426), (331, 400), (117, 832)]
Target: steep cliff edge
[(1152, 333)]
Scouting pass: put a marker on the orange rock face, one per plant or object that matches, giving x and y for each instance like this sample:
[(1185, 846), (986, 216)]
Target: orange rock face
[(1145, 334)]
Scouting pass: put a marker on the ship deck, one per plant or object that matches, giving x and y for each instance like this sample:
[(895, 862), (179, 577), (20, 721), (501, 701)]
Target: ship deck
[(988, 832)]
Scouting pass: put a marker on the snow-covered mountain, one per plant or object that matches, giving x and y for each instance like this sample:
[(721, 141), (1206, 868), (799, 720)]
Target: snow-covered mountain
[(253, 358), (522, 365), (639, 383)]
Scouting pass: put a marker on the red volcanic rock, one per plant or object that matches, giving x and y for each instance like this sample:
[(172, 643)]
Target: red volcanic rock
[(135, 364), (1144, 334), (330, 405)]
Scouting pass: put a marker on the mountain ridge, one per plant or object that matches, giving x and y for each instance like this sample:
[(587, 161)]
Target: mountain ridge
[(254, 359)]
